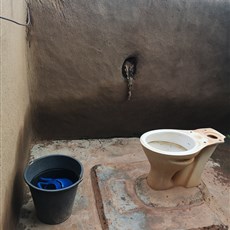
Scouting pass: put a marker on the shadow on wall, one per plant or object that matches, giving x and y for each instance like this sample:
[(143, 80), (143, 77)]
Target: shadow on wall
[(16, 193), (89, 119)]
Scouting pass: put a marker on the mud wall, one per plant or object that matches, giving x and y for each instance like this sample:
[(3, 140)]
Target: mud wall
[(15, 112), (77, 49)]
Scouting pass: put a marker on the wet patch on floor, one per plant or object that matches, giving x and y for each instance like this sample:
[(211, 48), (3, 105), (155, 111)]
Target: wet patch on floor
[(221, 157)]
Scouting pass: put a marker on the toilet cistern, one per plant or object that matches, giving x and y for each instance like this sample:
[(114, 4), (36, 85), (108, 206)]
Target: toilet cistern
[(178, 157)]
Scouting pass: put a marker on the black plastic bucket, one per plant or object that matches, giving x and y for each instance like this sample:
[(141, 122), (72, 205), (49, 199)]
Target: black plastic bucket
[(53, 206)]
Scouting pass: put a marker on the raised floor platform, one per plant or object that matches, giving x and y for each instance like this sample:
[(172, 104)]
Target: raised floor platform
[(114, 193)]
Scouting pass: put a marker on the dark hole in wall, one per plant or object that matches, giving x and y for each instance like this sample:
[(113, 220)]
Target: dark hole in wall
[(131, 63)]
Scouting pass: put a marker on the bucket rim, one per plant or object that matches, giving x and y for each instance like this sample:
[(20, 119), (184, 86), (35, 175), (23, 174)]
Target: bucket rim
[(54, 190)]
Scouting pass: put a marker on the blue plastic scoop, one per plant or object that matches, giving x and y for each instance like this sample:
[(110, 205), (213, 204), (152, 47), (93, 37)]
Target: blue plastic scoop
[(50, 183)]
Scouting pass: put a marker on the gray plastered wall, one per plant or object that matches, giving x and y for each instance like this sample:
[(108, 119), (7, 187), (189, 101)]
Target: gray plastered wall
[(15, 120), (77, 49)]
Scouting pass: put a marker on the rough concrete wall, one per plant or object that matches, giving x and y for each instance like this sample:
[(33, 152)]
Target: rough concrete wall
[(77, 49), (15, 120)]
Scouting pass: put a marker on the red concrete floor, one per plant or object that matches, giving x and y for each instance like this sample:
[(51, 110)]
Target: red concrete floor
[(114, 193)]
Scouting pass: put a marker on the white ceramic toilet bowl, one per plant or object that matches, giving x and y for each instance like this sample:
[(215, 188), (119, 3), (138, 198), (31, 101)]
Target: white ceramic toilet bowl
[(178, 157)]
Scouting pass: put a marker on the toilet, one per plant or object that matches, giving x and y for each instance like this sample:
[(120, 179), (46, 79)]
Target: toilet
[(178, 157)]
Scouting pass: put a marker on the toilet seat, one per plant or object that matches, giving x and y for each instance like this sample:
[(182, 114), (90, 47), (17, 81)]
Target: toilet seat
[(191, 142)]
